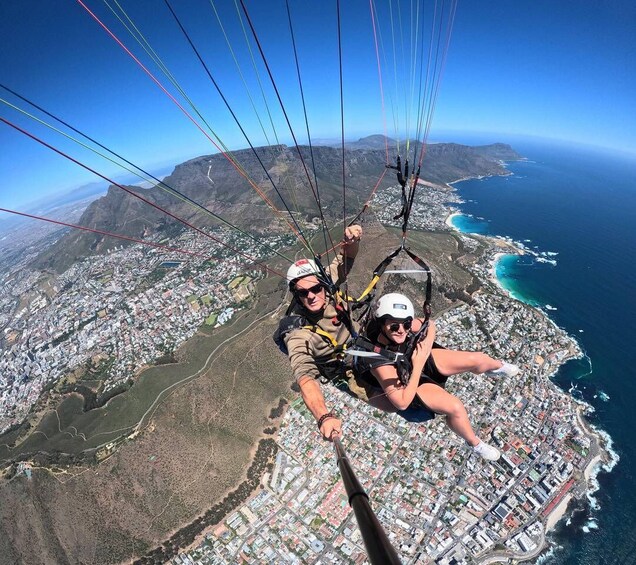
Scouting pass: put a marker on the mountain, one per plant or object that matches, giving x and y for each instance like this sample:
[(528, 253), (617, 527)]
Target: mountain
[(280, 173), (372, 142), (498, 151)]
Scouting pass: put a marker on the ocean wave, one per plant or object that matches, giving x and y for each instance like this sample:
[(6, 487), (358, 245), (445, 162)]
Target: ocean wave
[(539, 256), (574, 389), (594, 503), (609, 446), (606, 467), (541, 259), (589, 363), (549, 555)]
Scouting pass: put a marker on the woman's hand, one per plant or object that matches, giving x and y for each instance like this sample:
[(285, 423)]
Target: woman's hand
[(423, 348)]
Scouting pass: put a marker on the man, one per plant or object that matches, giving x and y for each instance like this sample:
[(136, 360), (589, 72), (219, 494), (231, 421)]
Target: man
[(312, 348)]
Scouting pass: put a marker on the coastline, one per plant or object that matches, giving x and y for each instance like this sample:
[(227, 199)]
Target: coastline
[(601, 459), (449, 219), (494, 241), (601, 456), (592, 468)]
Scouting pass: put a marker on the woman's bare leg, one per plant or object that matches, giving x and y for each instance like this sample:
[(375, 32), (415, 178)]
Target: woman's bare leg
[(381, 402), (451, 362), (442, 402)]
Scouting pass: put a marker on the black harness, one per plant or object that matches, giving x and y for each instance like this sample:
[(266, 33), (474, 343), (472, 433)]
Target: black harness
[(364, 347)]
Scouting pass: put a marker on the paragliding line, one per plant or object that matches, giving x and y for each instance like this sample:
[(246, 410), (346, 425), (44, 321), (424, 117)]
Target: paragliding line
[(342, 139), (198, 126), (280, 101), (158, 183), (236, 120), (377, 56), (132, 193), (102, 232), (326, 233)]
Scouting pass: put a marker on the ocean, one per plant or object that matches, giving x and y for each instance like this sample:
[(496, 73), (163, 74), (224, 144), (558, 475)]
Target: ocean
[(575, 208)]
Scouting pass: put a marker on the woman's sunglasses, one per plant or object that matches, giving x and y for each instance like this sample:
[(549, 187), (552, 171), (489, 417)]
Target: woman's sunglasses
[(395, 326), (304, 292)]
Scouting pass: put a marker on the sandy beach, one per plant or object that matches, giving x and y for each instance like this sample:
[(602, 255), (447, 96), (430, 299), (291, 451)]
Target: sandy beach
[(498, 242), (591, 466), (557, 513), (449, 220), (492, 273)]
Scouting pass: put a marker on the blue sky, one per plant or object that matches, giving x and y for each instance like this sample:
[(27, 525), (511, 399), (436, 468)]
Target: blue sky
[(559, 70)]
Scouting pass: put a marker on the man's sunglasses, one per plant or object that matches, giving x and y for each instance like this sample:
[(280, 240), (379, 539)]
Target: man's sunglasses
[(396, 326), (304, 292)]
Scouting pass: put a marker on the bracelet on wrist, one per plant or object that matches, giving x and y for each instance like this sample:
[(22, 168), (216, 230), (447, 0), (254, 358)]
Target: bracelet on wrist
[(325, 417)]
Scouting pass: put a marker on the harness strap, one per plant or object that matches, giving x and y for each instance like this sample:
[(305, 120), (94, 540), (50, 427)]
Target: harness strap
[(290, 323), (339, 298), (326, 335), (382, 267), (378, 272), (364, 347), (429, 284)]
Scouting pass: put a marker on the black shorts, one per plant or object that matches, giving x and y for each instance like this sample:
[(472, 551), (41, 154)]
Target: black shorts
[(431, 373)]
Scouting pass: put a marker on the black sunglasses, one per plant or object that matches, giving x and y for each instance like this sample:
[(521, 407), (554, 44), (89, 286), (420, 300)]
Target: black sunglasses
[(396, 326), (304, 292)]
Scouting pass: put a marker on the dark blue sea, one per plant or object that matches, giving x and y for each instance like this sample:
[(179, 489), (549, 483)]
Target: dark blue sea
[(576, 209)]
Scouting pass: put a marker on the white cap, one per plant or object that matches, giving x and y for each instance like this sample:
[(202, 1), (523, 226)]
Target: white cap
[(394, 305), (301, 268)]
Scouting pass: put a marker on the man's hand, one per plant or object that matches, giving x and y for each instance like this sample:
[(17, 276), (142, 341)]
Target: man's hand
[(352, 235), (331, 427), (351, 241)]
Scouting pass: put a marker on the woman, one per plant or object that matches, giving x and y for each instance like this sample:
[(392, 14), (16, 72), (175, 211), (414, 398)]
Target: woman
[(431, 365)]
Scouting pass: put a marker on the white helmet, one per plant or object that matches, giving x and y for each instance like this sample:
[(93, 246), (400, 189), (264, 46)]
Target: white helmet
[(394, 305), (301, 268)]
